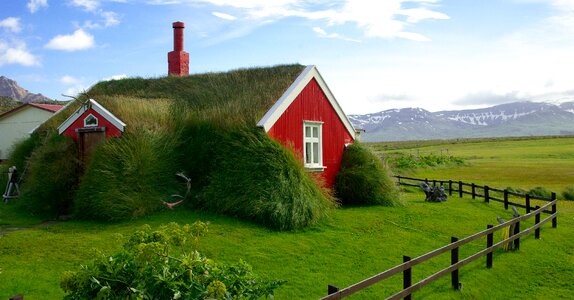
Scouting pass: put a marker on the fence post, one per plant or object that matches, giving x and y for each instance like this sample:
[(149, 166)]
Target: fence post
[(331, 289), (536, 221), (554, 221), (517, 231), (489, 242), (426, 180), (473, 192), (450, 187), (453, 260), (506, 199), (527, 203), (407, 277), (399, 180), (434, 182), (486, 194), (460, 189)]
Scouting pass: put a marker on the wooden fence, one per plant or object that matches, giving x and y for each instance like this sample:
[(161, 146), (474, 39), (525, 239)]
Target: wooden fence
[(408, 263), (479, 191)]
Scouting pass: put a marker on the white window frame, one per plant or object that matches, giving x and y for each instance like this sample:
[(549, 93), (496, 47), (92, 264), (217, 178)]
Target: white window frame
[(315, 163), (91, 125)]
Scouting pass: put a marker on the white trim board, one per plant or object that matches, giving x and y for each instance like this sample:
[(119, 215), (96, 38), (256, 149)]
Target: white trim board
[(293, 91), (99, 109)]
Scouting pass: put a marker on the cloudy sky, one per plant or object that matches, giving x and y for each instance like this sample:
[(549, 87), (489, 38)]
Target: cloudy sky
[(374, 55)]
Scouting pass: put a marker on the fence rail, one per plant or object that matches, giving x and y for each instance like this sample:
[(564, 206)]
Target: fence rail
[(513, 226)]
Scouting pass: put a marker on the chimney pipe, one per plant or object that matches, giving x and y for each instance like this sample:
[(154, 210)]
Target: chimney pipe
[(178, 60)]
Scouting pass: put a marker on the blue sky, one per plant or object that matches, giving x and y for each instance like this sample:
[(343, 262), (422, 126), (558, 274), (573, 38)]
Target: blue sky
[(374, 55)]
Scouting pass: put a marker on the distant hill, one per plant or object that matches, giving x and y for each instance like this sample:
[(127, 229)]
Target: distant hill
[(10, 89), (512, 119)]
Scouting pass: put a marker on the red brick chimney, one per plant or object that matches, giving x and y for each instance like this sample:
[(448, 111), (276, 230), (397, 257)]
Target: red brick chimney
[(178, 60)]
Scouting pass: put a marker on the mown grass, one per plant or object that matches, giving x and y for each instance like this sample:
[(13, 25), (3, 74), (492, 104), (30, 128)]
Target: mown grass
[(351, 245)]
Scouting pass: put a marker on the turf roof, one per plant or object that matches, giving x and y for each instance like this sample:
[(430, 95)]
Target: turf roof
[(242, 95)]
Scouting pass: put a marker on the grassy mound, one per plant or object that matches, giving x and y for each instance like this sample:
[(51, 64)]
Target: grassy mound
[(257, 179), (51, 177), (364, 180), (128, 177)]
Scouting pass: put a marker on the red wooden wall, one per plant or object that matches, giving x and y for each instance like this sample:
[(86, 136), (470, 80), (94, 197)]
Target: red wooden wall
[(312, 105), (111, 130)]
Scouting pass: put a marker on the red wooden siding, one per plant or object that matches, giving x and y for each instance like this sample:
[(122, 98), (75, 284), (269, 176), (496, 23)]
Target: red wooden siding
[(312, 105), (111, 130)]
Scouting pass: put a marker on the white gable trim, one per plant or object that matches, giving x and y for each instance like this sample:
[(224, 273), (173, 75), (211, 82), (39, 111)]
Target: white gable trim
[(293, 91), (99, 109)]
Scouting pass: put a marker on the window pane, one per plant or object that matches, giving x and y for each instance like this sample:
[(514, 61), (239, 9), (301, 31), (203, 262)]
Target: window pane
[(307, 153), (307, 131), (316, 132), (315, 153)]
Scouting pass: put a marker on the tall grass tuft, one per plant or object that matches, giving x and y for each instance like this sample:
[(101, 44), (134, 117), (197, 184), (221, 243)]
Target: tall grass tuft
[(257, 179), (51, 177), (363, 179), (128, 177), (568, 193)]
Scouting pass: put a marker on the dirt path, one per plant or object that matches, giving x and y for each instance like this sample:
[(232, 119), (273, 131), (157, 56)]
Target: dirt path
[(43, 224)]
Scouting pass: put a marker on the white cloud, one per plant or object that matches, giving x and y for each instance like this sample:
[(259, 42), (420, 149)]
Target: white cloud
[(35, 5), (11, 23), (377, 19), (116, 77), (79, 40), (322, 33), (89, 5), (70, 80), (224, 16), (110, 18), (16, 54)]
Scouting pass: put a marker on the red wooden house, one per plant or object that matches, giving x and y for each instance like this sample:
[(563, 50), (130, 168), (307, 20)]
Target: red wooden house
[(89, 125), (308, 118)]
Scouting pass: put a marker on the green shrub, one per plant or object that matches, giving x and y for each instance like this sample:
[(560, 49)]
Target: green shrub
[(363, 179), (257, 179), (51, 178), (540, 192), (128, 177), (568, 193), (163, 264), (517, 190), (405, 161)]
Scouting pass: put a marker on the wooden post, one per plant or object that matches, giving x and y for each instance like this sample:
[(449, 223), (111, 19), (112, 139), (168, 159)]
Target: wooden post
[(331, 289), (407, 277), (489, 242), (434, 182), (506, 199), (460, 189), (486, 194), (450, 187), (516, 231), (473, 191), (536, 221), (554, 221), (453, 260), (527, 203), (426, 180)]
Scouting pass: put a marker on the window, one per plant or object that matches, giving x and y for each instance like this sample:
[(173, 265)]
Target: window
[(90, 121), (312, 144)]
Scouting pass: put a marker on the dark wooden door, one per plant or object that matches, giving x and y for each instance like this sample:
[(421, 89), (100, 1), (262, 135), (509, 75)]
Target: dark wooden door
[(88, 141)]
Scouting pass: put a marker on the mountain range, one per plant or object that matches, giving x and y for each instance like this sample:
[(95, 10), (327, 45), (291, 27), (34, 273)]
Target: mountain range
[(505, 120), (10, 89)]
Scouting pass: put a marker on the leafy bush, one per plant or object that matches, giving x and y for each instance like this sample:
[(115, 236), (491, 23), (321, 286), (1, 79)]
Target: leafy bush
[(363, 179), (568, 193), (163, 264), (257, 179), (403, 161), (51, 176), (540, 192), (128, 177)]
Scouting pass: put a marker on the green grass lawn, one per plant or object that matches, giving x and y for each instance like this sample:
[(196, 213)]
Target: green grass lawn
[(351, 245)]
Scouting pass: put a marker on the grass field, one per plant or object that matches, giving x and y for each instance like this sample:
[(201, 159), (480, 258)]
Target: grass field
[(353, 243)]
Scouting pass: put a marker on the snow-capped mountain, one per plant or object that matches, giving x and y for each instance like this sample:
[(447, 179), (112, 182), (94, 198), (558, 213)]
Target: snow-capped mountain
[(512, 119)]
